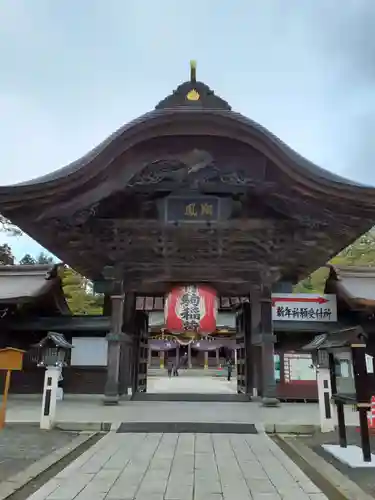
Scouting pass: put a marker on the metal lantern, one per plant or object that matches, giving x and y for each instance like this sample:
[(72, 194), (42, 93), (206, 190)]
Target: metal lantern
[(52, 350)]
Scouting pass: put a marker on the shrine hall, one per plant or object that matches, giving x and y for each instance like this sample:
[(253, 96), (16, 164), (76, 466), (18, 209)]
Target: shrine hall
[(193, 204)]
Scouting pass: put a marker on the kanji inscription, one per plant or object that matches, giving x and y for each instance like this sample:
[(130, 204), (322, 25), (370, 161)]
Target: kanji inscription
[(304, 307)]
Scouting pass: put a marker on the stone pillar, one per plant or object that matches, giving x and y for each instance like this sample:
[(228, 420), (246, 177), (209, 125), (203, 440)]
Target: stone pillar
[(205, 360), (115, 337), (326, 410), (161, 359), (264, 339), (217, 357), (235, 357), (149, 357), (189, 355)]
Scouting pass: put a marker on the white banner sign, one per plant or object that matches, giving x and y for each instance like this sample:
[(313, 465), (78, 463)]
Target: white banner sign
[(303, 307)]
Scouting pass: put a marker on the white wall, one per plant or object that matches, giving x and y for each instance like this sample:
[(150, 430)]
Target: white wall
[(89, 351)]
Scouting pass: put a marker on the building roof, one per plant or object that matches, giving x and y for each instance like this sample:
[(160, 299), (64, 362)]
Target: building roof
[(337, 340), (354, 286), (57, 339), (32, 284), (105, 206)]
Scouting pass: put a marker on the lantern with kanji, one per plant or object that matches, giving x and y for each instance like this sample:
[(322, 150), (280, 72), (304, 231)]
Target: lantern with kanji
[(191, 308)]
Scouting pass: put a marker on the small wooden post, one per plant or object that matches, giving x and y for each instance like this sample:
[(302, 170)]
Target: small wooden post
[(5, 399), (10, 359)]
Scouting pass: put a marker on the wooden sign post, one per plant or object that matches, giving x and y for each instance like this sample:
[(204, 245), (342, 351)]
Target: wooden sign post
[(10, 360)]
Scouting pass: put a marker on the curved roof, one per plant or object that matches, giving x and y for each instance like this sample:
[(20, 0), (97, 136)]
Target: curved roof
[(252, 126), (208, 112)]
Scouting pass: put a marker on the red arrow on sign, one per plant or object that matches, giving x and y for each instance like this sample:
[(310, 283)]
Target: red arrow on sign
[(314, 300)]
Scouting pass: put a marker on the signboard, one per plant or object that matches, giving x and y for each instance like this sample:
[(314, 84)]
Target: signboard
[(303, 307), (191, 309), (192, 209)]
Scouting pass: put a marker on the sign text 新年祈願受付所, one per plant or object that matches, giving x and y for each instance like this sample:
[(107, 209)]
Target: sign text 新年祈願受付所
[(186, 209), (304, 307)]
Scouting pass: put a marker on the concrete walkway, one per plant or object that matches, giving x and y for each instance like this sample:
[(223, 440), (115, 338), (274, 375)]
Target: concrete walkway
[(181, 467)]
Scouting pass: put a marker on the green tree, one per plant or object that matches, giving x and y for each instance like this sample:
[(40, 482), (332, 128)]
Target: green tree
[(27, 260), (79, 294), (6, 255), (43, 258), (8, 227), (361, 253)]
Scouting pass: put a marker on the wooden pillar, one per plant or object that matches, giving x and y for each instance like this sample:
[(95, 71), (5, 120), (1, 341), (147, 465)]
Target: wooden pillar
[(263, 337), (177, 355), (255, 385), (205, 360), (107, 305), (128, 350), (189, 355), (282, 366), (362, 395), (115, 338)]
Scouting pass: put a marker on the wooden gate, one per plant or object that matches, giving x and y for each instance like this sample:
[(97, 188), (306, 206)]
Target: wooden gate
[(140, 354)]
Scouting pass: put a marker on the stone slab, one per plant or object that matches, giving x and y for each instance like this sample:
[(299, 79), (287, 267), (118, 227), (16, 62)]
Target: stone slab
[(351, 455)]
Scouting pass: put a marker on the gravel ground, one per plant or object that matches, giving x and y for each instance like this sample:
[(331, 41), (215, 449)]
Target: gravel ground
[(365, 478), (22, 445)]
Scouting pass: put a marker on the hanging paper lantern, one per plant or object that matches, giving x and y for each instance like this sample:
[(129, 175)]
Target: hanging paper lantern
[(191, 309)]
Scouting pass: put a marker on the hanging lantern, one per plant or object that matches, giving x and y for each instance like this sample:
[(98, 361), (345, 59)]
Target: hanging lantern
[(191, 309)]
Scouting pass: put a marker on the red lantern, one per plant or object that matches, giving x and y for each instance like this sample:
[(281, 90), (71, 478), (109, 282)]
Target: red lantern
[(191, 309)]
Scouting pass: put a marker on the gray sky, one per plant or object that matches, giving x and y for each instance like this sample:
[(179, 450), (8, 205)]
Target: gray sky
[(74, 71)]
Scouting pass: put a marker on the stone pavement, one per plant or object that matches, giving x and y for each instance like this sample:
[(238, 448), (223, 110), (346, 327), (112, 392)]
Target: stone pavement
[(181, 467), (22, 445)]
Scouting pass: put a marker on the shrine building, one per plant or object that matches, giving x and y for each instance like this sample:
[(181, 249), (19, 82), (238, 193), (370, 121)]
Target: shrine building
[(191, 194)]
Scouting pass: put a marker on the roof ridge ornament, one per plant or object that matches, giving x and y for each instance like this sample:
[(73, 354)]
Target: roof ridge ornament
[(193, 94), (193, 71)]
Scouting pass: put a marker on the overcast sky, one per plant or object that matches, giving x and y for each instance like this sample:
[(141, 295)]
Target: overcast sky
[(72, 71)]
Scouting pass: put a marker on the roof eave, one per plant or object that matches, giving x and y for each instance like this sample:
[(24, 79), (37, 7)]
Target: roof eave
[(157, 123)]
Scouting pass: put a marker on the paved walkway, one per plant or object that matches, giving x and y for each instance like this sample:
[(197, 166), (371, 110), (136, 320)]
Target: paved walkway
[(187, 384), (181, 467)]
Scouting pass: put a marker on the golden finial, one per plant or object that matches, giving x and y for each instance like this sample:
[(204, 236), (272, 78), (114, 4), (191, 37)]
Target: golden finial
[(193, 71)]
